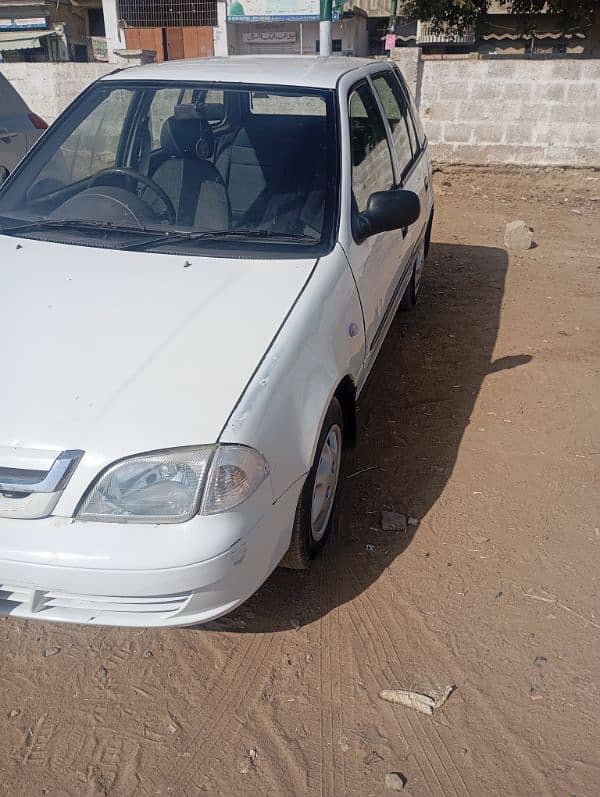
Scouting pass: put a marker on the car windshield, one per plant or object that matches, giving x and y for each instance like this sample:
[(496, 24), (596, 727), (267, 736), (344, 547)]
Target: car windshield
[(183, 167)]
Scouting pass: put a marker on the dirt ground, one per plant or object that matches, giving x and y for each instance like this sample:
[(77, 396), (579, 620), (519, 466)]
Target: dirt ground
[(481, 420)]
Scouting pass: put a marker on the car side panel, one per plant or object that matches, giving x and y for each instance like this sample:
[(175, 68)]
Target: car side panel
[(14, 125), (322, 341)]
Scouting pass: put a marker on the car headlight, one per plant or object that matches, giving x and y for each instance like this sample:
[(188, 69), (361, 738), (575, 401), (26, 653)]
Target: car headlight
[(174, 485)]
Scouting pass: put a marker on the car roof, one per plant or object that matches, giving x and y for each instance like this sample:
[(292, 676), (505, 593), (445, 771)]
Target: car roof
[(276, 70)]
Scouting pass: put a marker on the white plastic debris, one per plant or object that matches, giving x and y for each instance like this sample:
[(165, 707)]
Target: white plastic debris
[(416, 700)]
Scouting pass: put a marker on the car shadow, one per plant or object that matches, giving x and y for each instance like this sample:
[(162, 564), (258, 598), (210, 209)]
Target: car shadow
[(412, 416)]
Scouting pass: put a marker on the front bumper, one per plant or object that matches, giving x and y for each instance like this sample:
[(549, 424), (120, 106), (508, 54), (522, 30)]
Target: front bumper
[(184, 594)]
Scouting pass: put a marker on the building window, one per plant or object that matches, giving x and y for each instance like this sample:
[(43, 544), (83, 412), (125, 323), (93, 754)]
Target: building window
[(336, 46), (168, 13)]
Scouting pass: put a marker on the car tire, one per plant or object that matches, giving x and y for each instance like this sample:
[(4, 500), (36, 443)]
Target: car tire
[(317, 505), (411, 294)]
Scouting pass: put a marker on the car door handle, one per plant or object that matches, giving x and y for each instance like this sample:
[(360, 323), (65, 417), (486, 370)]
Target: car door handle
[(6, 136)]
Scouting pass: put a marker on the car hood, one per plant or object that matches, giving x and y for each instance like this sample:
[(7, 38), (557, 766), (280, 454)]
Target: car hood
[(120, 352)]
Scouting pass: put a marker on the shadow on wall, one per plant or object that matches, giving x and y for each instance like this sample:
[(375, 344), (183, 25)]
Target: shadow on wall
[(412, 416)]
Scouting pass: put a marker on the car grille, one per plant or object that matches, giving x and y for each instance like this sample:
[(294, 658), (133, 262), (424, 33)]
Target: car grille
[(69, 606)]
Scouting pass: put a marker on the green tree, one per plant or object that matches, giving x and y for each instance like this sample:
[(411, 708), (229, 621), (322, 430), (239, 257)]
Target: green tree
[(459, 14)]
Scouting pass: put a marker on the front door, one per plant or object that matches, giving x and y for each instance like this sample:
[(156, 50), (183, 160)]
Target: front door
[(381, 263)]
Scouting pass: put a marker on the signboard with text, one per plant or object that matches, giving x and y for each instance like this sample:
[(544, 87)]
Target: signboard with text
[(23, 23), (272, 10), (269, 37)]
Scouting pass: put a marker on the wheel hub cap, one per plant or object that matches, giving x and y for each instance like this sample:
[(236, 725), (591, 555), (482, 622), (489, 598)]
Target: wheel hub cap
[(326, 479)]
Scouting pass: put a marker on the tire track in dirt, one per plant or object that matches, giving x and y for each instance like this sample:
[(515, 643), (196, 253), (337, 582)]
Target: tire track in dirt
[(332, 701), (365, 627), (413, 727), (501, 730), (244, 673), (33, 748)]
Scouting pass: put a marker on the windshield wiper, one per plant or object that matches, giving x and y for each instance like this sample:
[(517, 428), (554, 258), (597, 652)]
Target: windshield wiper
[(85, 224), (179, 236)]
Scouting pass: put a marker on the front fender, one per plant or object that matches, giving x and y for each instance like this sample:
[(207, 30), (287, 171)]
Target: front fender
[(322, 340)]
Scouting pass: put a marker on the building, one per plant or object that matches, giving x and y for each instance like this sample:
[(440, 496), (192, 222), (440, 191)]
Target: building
[(500, 34), (117, 30)]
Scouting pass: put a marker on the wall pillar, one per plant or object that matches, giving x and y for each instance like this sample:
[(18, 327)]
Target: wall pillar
[(221, 45), (115, 39)]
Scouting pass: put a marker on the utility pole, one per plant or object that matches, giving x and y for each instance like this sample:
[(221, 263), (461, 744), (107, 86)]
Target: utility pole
[(393, 12), (325, 28)]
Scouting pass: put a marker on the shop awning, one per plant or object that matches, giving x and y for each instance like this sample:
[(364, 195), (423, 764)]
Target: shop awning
[(518, 36), (22, 39)]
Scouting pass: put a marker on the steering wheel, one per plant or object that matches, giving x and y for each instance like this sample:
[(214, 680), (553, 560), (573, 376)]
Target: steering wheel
[(139, 178)]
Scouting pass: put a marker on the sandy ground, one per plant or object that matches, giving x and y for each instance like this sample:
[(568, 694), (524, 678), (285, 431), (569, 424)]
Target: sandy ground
[(481, 420)]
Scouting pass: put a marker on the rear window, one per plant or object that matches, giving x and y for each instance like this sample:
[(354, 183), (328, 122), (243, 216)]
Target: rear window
[(281, 105)]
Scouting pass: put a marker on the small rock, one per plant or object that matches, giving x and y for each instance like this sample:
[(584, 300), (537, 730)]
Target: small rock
[(51, 652), (14, 712), (540, 661), (252, 754), (518, 236), (413, 521), (370, 547), (103, 673), (372, 758), (148, 654), (395, 781), (393, 521), (172, 724)]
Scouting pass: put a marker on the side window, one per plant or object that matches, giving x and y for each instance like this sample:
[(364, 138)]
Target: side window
[(371, 158), (162, 107), (93, 145), (211, 104), (414, 112), (397, 115)]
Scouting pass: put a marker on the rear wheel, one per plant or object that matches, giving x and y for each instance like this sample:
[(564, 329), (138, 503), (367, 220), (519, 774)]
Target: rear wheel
[(409, 300), (317, 504)]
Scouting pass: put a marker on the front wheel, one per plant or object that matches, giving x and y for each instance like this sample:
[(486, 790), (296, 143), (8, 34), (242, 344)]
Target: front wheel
[(317, 504)]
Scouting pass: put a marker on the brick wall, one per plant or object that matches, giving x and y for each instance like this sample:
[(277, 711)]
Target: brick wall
[(508, 111), (475, 111)]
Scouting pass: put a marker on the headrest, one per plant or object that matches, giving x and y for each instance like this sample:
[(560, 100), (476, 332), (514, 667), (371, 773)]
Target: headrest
[(187, 138)]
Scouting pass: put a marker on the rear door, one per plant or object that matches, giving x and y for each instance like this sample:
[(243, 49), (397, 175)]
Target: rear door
[(14, 123)]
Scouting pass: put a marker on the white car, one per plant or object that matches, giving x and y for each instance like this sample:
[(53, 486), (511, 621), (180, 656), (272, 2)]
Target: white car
[(200, 261), (20, 128)]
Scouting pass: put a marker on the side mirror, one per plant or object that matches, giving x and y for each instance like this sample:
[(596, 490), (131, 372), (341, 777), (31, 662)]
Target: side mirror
[(387, 210), (3, 173)]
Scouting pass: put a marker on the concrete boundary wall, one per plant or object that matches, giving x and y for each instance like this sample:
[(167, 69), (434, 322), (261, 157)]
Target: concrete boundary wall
[(49, 88), (475, 111), (508, 111)]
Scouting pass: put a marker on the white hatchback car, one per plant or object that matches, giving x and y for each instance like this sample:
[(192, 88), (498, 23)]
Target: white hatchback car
[(200, 261)]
